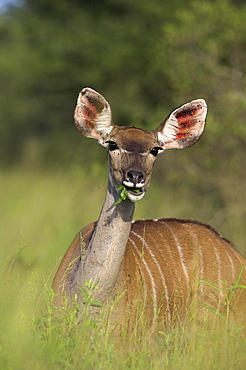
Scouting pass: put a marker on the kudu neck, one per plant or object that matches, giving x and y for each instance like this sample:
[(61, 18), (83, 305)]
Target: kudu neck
[(108, 243)]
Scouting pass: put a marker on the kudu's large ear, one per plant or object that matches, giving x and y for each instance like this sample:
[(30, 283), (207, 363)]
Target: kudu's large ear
[(184, 125), (93, 115)]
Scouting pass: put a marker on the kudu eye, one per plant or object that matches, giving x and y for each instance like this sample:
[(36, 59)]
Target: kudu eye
[(112, 145), (155, 151)]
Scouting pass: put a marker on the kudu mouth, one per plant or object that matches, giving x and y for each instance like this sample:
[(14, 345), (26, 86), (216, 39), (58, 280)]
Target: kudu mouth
[(134, 192), (134, 184)]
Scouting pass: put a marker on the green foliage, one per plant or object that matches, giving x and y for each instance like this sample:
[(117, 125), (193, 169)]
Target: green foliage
[(37, 335), (202, 53), (124, 192), (146, 58), (51, 49), (227, 291), (87, 294)]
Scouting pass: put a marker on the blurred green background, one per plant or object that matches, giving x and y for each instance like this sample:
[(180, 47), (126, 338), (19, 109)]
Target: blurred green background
[(146, 58)]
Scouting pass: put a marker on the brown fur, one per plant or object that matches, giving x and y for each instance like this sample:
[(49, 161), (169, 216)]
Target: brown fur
[(134, 282)]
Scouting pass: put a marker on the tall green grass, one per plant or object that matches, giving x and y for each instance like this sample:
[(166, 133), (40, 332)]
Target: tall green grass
[(40, 213)]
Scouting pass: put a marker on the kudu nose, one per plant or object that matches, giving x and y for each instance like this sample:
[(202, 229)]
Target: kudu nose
[(135, 177)]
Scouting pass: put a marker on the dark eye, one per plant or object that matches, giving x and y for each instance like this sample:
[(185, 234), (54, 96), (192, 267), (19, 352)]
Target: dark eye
[(112, 145), (155, 151)]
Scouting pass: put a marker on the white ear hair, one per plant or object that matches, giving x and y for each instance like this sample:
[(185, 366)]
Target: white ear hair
[(92, 115), (184, 125)]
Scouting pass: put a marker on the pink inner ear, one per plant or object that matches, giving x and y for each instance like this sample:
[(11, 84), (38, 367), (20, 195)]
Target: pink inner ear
[(87, 112), (187, 119), (88, 124), (183, 135), (92, 115), (187, 113)]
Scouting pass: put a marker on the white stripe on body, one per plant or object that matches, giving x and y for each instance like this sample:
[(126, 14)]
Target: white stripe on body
[(141, 256), (179, 248)]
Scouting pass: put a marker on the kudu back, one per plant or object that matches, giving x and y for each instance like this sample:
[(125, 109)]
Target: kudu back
[(168, 266)]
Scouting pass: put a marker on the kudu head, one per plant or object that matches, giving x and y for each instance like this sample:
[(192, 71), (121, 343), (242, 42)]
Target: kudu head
[(133, 151)]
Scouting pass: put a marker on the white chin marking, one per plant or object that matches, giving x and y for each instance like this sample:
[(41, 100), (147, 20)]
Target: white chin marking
[(135, 198)]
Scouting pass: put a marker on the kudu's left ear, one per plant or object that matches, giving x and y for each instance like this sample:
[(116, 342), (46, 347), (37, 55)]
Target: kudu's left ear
[(184, 125), (92, 115)]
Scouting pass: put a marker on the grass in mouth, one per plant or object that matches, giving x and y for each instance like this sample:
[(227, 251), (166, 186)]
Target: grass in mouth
[(124, 192)]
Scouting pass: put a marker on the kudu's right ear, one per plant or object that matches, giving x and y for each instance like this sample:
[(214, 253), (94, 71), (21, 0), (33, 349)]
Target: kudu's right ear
[(92, 115)]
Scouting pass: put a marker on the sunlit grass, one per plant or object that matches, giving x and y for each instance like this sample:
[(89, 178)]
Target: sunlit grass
[(33, 336), (40, 213)]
